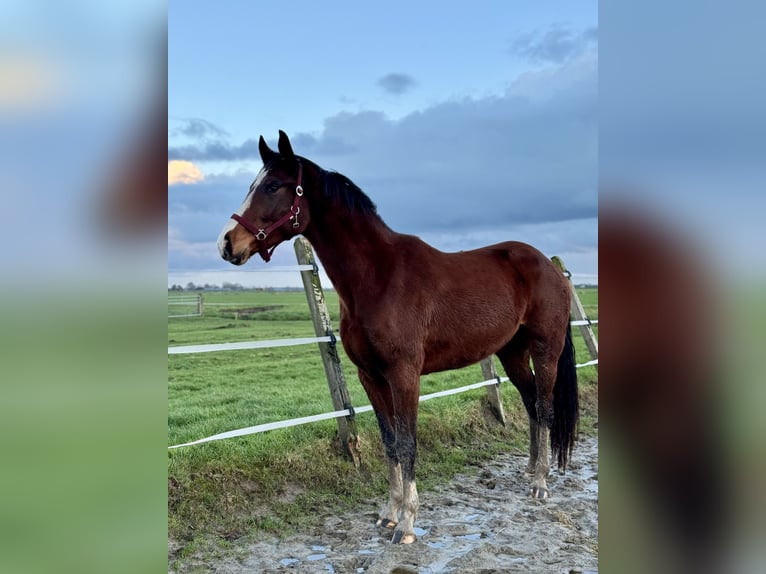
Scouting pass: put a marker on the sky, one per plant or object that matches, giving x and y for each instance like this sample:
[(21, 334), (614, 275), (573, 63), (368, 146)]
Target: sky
[(465, 127), (682, 123)]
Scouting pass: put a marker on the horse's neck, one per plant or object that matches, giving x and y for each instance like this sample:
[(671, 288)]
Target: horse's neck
[(350, 246)]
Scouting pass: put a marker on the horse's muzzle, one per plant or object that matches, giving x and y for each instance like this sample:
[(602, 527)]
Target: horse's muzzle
[(227, 252)]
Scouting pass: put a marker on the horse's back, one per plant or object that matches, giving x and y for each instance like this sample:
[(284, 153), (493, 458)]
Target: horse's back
[(545, 288), (511, 273), (526, 259), (518, 265)]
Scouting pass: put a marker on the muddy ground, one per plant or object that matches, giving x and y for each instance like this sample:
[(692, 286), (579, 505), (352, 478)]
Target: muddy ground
[(481, 522)]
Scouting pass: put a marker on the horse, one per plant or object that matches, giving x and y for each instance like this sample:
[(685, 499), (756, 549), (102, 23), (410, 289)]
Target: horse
[(408, 309)]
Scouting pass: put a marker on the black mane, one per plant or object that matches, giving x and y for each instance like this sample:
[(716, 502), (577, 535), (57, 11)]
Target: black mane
[(335, 186), (338, 187)]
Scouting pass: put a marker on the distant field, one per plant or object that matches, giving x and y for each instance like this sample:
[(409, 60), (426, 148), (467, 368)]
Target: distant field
[(214, 487)]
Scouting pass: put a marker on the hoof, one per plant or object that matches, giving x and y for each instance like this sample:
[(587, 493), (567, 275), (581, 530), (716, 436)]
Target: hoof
[(385, 523), (401, 538), (539, 492)]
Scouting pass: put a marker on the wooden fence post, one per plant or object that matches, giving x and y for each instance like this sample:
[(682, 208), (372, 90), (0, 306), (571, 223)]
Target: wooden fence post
[(578, 313), (199, 304), (488, 371), (332, 366)]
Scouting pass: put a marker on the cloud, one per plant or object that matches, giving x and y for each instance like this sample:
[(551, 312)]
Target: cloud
[(396, 83), (199, 212), (528, 155), (462, 173), (216, 151), (183, 172), (199, 129), (555, 45), (563, 82)]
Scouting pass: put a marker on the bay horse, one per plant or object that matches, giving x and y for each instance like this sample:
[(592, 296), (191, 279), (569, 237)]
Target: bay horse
[(408, 309)]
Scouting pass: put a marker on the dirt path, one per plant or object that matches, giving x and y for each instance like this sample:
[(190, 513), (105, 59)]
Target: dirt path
[(479, 523)]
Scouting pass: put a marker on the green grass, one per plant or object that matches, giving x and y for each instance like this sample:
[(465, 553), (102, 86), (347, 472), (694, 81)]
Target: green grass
[(279, 480)]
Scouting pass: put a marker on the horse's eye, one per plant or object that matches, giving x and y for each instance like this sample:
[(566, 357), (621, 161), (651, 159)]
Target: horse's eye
[(271, 187)]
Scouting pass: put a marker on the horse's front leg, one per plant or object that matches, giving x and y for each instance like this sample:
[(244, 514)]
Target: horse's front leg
[(395, 400), (406, 446), (389, 516), (379, 394), (405, 391), (403, 502)]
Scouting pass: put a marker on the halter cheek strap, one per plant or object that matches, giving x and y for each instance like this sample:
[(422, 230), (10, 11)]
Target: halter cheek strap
[(261, 233)]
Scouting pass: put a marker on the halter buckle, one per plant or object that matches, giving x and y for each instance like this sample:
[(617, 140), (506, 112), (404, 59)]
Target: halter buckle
[(261, 235), (295, 210), (299, 190)]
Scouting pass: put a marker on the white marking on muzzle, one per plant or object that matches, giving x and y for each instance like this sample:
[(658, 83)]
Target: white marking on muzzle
[(231, 224)]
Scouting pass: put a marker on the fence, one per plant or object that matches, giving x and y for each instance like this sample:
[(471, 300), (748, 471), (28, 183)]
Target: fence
[(193, 305), (327, 340)]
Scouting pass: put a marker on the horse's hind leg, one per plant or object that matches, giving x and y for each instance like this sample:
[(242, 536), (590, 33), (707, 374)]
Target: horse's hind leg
[(515, 360), (545, 360)]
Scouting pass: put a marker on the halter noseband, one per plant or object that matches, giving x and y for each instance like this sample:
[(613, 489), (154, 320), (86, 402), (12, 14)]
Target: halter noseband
[(260, 233)]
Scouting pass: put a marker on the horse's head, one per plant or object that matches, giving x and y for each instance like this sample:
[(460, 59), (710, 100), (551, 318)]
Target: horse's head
[(274, 210)]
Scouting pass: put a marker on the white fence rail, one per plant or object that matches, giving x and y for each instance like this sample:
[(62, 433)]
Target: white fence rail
[(266, 344), (335, 414), (313, 418), (187, 301), (344, 413)]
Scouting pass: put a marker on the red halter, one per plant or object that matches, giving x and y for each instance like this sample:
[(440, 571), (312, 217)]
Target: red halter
[(260, 233)]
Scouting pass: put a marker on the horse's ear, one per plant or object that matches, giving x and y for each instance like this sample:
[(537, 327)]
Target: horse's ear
[(267, 153), (284, 145)]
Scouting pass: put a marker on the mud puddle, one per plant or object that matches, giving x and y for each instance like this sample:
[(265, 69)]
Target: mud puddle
[(482, 522)]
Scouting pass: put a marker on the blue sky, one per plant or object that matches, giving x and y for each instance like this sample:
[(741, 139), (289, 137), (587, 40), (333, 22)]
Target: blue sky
[(465, 126), (682, 123)]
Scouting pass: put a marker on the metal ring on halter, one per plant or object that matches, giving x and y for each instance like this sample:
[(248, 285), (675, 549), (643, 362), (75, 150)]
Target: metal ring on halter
[(261, 235), (299, 190)]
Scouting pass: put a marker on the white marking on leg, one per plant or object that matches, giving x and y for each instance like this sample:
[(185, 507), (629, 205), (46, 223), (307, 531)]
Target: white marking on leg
[(392, 510), (410, 505), (539, 484)]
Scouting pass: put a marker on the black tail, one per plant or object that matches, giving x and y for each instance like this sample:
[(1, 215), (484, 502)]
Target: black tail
[(566, 407)]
